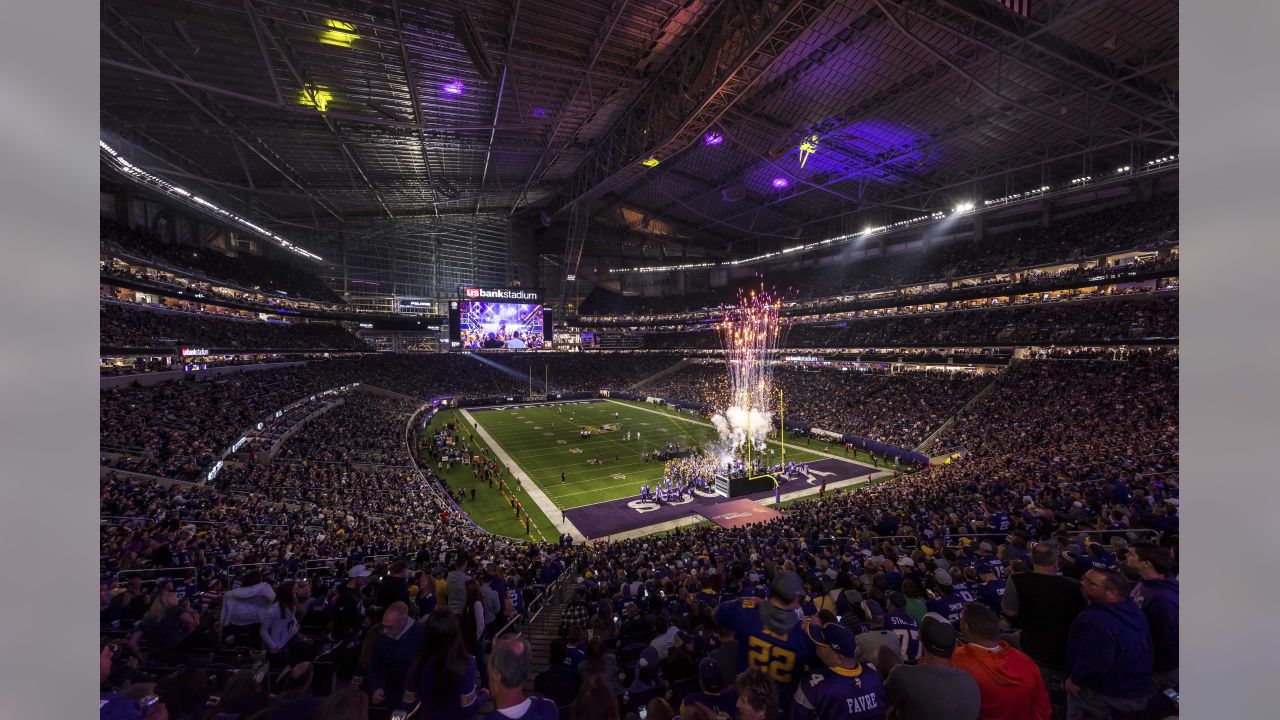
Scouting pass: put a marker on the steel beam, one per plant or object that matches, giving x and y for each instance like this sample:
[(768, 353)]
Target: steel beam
[(497, 105), (664, 118), (208, 106)]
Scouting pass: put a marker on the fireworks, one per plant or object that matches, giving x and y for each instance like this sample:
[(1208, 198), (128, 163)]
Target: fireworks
[(751, 333)]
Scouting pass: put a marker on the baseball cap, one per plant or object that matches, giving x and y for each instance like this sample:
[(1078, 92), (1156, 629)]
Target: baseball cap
[(897, 600), (786, 585), (906, 562), (937, 636), (942, 577), (872, 609), (835, 636), (986, 569), (985, 546), (359, 571), (709, 675)]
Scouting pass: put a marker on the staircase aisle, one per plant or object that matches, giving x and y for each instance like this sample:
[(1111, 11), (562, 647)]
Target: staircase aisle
[(545, 628)]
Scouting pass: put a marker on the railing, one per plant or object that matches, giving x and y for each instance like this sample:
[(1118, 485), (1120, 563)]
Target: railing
[(537, 605), (158, 572)]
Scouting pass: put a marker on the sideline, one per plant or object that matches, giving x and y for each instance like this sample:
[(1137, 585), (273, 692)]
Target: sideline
[(535, 493)]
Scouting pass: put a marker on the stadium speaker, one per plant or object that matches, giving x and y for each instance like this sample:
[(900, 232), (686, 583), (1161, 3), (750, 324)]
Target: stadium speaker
[(470, 37)]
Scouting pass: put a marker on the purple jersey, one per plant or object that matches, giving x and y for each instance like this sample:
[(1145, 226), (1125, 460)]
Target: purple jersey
[(908, 632), (783, 657), (991, 594), (841, 694), (949, 606)]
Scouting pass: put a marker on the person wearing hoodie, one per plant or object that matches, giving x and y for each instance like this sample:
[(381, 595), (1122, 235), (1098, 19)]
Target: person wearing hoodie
[(1009, 681), (769, 634), (244, 608), (1157, 595), (1108, 651)]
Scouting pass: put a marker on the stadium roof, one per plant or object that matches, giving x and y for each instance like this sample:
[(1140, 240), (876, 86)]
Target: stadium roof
[(315, 113)]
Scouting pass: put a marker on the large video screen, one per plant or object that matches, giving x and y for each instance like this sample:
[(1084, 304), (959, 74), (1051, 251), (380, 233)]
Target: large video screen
[(495, 325)]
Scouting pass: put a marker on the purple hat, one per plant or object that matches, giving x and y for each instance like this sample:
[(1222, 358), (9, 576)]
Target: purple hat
[(709, 675), (835, 636)]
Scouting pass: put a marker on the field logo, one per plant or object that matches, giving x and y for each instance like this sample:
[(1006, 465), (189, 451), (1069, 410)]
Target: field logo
[(619, 476), (643, 506), (576, 451)]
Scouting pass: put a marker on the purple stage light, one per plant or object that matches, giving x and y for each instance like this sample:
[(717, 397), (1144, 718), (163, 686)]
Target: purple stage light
[(454, 87), (712, 138), (539, 112), (780, 182)]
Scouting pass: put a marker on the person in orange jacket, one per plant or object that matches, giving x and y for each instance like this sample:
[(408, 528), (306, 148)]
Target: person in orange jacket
[(1009, 681)]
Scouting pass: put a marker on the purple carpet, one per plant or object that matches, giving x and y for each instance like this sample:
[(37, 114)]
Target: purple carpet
[(737, 513), (615, 516)]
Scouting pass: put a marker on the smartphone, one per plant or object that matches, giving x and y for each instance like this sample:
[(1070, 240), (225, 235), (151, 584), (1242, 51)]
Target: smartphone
[(644, 712), (399, 715)]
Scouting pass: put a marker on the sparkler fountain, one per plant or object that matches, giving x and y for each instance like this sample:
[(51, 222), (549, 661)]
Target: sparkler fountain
[(751, 333)]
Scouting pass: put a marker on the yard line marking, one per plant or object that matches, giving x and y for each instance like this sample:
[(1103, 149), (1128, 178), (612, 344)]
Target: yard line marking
[(531, 488), (707, 424)]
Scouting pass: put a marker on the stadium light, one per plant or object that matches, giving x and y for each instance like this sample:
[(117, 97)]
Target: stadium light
[(316, 96), (650, 162), (143, 177), (340, 34), (453, 87), (712, 138), (807, 148), (780, 182)]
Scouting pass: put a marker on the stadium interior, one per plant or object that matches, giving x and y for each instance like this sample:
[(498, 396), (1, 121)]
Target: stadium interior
[(611, 359)]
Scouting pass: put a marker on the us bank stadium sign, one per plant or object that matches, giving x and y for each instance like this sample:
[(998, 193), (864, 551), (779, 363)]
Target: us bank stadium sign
[(474, 293)]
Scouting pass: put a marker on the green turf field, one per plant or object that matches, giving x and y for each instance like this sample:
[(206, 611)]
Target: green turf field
[(544, 440), (490, 509)]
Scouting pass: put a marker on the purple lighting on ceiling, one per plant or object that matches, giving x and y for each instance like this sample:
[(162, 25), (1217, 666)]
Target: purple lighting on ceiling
[(539, 112), (712, 138), (454, 87), (780, 182)]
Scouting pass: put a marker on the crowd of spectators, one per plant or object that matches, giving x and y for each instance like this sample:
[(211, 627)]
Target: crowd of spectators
[(899, 409), (933, 590), (1131, 318), (364, 428), (1125, 227), (131, 326), (268, 274)]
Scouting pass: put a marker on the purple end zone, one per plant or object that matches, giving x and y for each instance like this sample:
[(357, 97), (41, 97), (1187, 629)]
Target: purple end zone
[(615, 516)]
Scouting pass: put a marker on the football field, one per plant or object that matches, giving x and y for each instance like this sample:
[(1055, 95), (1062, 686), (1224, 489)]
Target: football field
[(545, 441)]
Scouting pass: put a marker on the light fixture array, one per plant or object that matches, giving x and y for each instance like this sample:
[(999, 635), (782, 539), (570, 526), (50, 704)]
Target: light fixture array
[(146, 178)]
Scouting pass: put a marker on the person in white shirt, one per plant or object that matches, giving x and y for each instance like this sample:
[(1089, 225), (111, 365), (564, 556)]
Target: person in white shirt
[(244, 608)]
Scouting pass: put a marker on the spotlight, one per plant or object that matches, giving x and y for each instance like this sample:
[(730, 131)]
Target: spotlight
[(650, 162), (539, 112), (454, 87), (780, 182), (712, 138)]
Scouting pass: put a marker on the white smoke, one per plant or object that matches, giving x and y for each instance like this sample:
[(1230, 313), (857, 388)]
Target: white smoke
[(736, 424)]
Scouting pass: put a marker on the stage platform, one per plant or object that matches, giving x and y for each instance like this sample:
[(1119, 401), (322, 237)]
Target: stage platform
[(626, 514)]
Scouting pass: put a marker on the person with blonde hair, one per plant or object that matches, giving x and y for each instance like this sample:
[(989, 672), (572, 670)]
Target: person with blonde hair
[(167, 623)]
